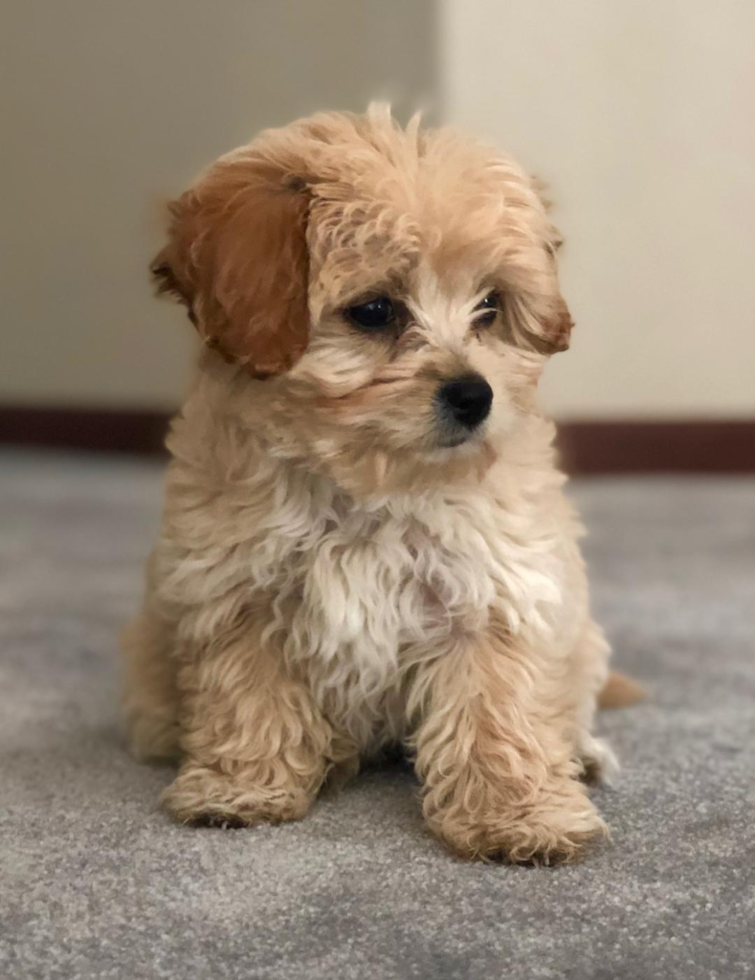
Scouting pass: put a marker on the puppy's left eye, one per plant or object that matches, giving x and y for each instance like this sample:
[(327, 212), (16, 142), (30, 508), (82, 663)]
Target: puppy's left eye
[(487, 310), (374, 314)]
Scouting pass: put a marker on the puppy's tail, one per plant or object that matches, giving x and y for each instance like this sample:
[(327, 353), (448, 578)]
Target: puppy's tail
[(619, 691)]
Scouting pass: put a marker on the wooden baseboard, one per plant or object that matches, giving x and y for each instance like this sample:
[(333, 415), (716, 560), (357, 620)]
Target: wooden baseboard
[(88, 429), (695, 446)]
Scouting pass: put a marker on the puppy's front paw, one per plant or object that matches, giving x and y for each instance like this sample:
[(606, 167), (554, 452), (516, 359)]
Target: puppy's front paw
[(202, 796), (556, 828)]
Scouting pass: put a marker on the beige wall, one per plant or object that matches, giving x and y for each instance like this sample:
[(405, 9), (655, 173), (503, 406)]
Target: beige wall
[(639, 113), (109, 108)]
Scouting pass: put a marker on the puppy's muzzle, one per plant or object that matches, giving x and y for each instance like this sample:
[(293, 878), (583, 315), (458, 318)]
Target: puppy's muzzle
[(465, 401)]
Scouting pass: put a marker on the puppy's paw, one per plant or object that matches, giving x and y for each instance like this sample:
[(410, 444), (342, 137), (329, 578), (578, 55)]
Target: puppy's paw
[(557, 828), (202, 796), (597, 760)]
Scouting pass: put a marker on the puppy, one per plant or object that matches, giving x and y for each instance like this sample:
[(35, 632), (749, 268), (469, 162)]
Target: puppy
[(365, 540)]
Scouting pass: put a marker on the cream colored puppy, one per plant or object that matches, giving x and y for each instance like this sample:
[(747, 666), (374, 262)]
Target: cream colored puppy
[(365, 539)]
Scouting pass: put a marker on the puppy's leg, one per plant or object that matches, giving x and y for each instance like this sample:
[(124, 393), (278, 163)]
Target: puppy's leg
[(589, 671), (257, 749), (494, 758), (151, 696)]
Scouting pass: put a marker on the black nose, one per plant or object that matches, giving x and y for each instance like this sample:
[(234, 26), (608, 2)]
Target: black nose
[(467, 399)]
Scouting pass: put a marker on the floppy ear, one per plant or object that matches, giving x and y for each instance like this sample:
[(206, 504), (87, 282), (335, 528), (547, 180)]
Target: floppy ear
[(541, 323), (557, 324), (549, 332), (237, 259), (555, 328)]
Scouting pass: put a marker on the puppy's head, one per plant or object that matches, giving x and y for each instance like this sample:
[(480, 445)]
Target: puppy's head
[(390, 296)]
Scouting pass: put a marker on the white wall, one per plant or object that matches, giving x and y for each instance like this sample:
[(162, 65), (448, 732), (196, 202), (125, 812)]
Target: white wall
[(639, 113), (109, 109)]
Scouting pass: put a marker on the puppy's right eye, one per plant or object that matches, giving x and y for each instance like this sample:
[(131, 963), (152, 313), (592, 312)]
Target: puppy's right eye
[(372, 315)]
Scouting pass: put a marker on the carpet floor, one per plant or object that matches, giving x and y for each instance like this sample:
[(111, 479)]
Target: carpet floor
[(96, 882)]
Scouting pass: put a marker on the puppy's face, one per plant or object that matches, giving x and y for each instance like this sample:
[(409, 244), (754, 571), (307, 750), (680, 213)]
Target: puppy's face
[(393, 293)]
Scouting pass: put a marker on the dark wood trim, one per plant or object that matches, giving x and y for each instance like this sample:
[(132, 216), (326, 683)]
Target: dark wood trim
[(691, 446), (90, 429)]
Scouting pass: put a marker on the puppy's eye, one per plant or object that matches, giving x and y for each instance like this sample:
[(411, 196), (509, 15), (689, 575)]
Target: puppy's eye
[(374, 314), (487, 310)]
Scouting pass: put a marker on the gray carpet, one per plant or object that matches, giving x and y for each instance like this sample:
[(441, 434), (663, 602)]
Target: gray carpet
[(96, 882)]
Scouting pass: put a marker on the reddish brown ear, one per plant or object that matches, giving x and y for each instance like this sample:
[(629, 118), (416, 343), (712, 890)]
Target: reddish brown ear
[(556, 325), (543, 326), (237, 258), (557, 328)]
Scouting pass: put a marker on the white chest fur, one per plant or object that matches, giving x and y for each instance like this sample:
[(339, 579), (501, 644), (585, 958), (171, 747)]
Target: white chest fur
[(357, 592), (383, 584)]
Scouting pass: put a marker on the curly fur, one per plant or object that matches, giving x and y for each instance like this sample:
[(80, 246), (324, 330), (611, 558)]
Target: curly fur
[(332, 577)]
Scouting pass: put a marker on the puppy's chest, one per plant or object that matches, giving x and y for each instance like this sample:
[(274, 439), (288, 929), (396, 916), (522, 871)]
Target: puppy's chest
[(392, 578), (358, 594), (374, 588)]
